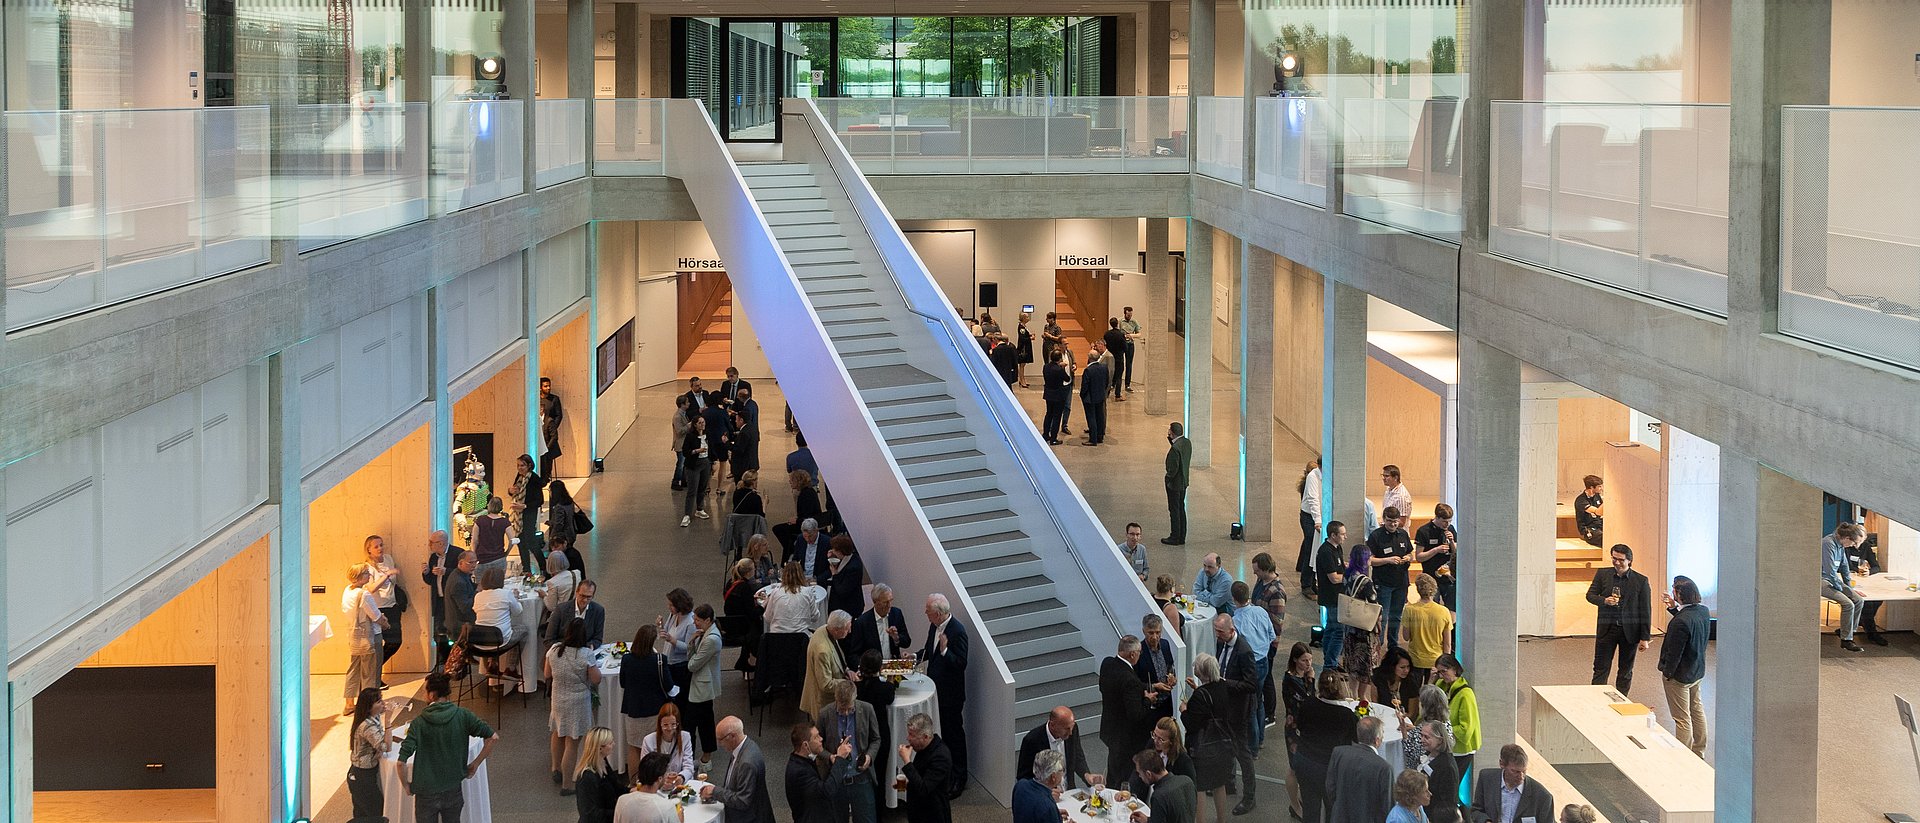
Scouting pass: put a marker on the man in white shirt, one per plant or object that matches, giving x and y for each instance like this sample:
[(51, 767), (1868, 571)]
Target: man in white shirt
[(1134, 551), (644, 804), (1396, 495)]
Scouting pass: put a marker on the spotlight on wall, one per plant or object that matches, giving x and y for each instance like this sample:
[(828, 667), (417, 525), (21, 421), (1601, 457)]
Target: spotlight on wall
[(1288, 74), (1236, 532), (490, 76)]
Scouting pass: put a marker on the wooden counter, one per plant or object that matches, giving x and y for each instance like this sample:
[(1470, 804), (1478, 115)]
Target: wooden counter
[(1578, 725)]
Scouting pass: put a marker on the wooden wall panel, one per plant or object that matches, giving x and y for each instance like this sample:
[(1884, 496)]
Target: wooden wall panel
[(1404, 428), (566, 358), (1586, 426), (388, 497), (243, 685), (1637, 507), (499, 406), (180, 633)]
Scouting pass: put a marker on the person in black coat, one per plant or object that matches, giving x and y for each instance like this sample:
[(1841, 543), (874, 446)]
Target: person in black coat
[(1237, 670), (1060, 725), (598, 788), (1056, 388), (1126, 710), (1156, 665), (929, 768), (1625, 621), (870, 629), (1116, 341), (1359, 782), (733, 389), (810, 792), (1094, 382), (946, 657), (846, 576), (1683, 663), (1443, 775), (1323, 726), (1006, 360)]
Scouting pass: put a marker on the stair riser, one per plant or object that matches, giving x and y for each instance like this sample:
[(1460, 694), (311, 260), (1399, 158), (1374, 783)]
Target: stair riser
[(752, 170), (823, 241), (957, 463), (899, 431), (779, 219), (956, 509), (946, 487), (1052, 642), (845, 299), (1048, 701), (864, 313), (789, 233), (811, 273), (872, 344), (990, 551), (774, 194), (1027, 620), (1010, 571), (1016, 597), (865, 359), (962, 531), (932, 447), (881, 394), (812, 208), (1055, 671), (940, 405), (823, 256)]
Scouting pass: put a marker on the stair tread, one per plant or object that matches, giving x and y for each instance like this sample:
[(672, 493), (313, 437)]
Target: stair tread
[(983, 540), (886, 377), (976, 517), (1048, 604), (1066, 684), (1026, 635), (929, 438), (921, 418), (949, 477), (1052, 658), (1016, 584), (887, 404), (962, 497)]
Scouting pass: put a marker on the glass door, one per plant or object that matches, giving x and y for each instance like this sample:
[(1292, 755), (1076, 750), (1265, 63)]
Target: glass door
[(763, 61)]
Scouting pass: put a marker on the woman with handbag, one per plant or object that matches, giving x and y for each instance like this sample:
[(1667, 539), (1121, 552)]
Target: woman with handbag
[(1212, 714), (646, 686), (562, 514), (1322, 725), (1360, 615)]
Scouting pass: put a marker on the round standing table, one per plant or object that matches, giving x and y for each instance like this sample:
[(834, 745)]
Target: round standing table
[(915, 695)]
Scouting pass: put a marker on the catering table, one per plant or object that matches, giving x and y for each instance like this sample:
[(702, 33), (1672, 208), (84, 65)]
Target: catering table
[(397, 804), (318, 629), (611, 695), (528, 626), (1071, 802), (1390, 746), (819, 594), (1579, 725), (1902, 609), (915, 695), (1198, 635), (698, 812)]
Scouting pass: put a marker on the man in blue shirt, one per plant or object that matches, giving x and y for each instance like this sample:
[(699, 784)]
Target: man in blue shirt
[(1834, 582), (1213, 585), (1256, 626)]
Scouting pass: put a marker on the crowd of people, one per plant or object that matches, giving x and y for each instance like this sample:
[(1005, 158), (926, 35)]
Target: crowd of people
[(1185, 748)]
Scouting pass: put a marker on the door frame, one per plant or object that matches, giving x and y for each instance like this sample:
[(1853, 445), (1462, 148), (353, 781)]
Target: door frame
[(780, 78)]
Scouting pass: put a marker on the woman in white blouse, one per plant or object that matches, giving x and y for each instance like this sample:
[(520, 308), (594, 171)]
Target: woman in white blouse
[(494, 608), (792, 606), (678, 746)]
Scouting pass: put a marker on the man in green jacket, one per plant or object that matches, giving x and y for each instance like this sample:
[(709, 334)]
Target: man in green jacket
[(439, 736), (1179, 457)]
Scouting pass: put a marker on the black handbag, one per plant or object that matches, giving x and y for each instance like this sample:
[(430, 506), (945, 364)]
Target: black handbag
[(400, 599), (1213, 751), (581, 525)]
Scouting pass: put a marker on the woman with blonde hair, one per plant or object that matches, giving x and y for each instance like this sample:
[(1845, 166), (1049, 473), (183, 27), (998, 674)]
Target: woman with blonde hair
[(759, 553), (791, 608), (806, 504), (1578, 813), (1410, 797), (597, 787), (1163, 592), (1168, 741), (1309, 488), (363, 666)]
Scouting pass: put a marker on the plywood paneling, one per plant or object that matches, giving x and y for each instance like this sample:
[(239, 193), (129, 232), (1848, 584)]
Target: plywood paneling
[(389, 496), (565, 358), (181, 633), (1637, 507), (243, 688), (1586, 426), (1404, 428), (500, 406), (1300, 335)]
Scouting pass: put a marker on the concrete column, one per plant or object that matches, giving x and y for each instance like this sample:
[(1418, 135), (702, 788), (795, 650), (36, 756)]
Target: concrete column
[(1126, 55), (288, 599), (1249, 91), (1771, 45), (580, 40), (418, 78), (1496, 65), (440, 425), (1199, 350), (1766, 713), (1343, 408), (626, 46), (1160, 70), (1539, 478), (530, 325), (1258, 268), (1158, 325), (593, 333), (1200, 49), (660, 55), (1489, 520), (516, 40)]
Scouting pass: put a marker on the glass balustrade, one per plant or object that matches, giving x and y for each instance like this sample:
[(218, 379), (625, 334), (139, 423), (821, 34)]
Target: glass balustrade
[(629, 138), (351, 170), (1220, 141), (1290, 150), (1011, 135), (478, 153), (560, 141), (1631, 195), (1401, 163), (1849, 238)]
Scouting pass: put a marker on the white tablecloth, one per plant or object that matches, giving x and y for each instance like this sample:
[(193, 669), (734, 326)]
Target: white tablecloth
[(1070, 802), (698, 812), (1197, 632), (915, 695), (819, 601), (318, 629), (1390, 747), (611, 694), (528, 627), (398, 805)]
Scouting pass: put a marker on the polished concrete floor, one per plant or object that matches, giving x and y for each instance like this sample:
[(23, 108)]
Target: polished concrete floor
[(638, 552)]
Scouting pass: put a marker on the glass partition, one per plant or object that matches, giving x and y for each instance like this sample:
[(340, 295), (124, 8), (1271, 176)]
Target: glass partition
[(348, 171), (629, 137), (1628, 195), (106, 206), (560, 147), (478, 153), (1290, 152), (1402, 163), (1849, 241), (1220, 141), (1011, 135)]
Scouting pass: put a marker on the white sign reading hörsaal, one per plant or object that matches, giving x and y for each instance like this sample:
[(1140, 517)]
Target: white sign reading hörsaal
[(1074, 261)]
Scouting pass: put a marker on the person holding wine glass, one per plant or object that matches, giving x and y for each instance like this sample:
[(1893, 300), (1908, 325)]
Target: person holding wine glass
[(1625, 622)]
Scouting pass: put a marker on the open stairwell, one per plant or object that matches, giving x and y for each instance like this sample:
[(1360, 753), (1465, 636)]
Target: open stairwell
[(944, 483)]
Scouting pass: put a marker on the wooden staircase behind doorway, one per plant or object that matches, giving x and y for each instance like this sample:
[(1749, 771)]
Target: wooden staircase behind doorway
[(706, 337), (1080, 300)]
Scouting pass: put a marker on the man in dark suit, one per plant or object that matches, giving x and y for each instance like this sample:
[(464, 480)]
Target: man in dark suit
[(1156, 666), (743, 790), (1126, 710), (811, 795), (1056, 388), (1237, 669), (882, 627), (696, 396), (1061, 734), (1625, 623), (1179, 458), (928, 766), (851, 720), (1172, 798), (583, 607), (845, 575), (551, 413), (1116, 343), (946, 658), (733, 387), (1005, 359), (719, 436), (810, 551), (1488, 804), (1094, 383), (1359, 782)]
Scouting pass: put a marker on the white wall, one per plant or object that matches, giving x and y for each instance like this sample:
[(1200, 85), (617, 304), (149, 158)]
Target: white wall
[(483, 314), (560, 273), (358, 377), (1693, 511), (1874, 43)]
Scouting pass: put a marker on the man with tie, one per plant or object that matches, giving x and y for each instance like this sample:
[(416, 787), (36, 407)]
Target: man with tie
[(732, 389), (1237, 668), (946, 657), (1126, 710), (883, 627), (744, 789)]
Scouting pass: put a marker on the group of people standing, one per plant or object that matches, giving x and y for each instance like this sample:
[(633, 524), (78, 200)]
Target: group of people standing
[(716, 434)]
